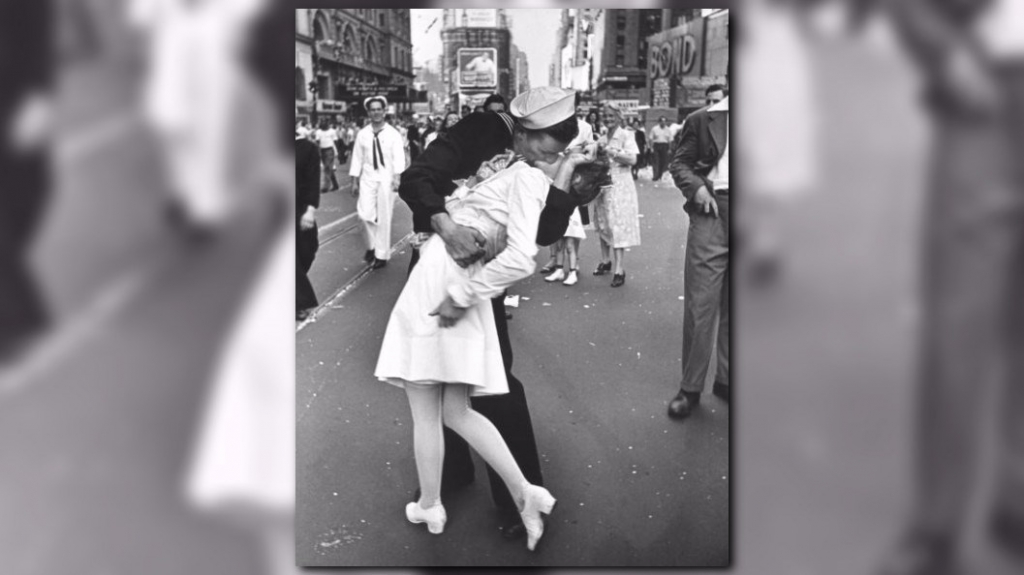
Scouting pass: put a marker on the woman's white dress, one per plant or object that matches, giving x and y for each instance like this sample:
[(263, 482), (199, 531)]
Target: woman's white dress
[(415, 348)]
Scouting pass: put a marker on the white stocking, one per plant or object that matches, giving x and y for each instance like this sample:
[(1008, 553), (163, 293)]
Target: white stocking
[(428, 439)]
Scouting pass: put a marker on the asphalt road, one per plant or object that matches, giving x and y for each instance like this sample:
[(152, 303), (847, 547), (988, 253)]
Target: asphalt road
[(599, 365)]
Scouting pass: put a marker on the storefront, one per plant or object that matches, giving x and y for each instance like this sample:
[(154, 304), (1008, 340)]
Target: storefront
[(682, 65)]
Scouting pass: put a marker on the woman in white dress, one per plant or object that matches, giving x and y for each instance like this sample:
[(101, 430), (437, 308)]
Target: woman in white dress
[(616, 212), (441, 344)]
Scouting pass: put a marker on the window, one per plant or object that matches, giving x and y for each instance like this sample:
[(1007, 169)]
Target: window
[(349, 41), (382, 20)]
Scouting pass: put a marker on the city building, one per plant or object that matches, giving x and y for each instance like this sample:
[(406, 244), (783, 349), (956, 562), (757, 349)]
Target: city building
[(520, 72), (344, 55), (477, 56), (572, 62), (687, 58), (619, 54), (430, 81)]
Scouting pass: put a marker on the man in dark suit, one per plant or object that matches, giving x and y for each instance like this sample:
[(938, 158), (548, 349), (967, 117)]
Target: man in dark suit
[(307, 200), (700, 168), (972, 55)]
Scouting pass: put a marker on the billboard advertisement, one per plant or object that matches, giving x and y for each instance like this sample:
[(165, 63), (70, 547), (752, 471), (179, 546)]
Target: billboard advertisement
[(476, 18), (478, 68)]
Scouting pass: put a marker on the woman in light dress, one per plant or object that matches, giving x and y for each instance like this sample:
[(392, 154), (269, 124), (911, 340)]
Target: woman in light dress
[(441, 343), (616, 212)]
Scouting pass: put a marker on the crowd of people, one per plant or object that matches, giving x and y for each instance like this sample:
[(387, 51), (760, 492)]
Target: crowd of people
[(487, 189)]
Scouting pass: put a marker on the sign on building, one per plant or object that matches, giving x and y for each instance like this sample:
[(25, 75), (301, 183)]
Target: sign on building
[(628, 107), (358, 92), (476, 18), (478, 68)]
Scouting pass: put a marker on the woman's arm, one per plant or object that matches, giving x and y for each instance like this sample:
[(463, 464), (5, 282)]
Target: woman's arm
[(516, 261)]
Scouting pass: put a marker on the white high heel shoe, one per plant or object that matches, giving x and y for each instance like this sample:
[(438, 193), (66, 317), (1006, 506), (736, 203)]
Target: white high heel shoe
[(435, 517), (536, 500)]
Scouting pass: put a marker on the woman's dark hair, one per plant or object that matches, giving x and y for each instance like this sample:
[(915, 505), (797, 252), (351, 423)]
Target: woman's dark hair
[(564, 131), (494, 99), (588, 179)]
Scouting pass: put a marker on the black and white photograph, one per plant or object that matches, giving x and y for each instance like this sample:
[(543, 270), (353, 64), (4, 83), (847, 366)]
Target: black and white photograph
[(478, 185)]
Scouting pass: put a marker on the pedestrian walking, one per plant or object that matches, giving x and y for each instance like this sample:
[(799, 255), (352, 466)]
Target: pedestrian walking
[(616, 211), (325, 137), (641, 144), (539, 127), (594, 119), (661, 138), (700, 169), (378, 158), (414, 139), (339, 143), (567, 249), (307, 189)]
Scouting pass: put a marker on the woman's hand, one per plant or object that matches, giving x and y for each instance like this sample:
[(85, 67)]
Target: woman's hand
[(448, 314)]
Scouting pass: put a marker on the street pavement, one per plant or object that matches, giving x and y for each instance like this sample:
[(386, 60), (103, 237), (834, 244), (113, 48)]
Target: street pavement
[(599, 365), (339, 259)]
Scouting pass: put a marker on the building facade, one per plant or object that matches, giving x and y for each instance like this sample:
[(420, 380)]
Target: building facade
[(619, 55), (520, 72), (344, 55), (687, 58), (477, 56)]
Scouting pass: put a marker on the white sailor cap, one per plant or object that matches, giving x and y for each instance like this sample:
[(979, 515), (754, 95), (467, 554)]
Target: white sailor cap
[(382, 99), (543, 107)]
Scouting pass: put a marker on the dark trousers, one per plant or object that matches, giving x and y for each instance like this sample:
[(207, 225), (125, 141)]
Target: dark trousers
[(706, 297), (327, 160), (306, 245), (660, 160), (973, 313), (509, 413)]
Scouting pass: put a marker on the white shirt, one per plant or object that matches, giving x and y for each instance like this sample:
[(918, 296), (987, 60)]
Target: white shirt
[(584, 138), (1000, 29), (661, 135), (392, 148), (511, 199), (325, 137), (719, 175), (623, 141)]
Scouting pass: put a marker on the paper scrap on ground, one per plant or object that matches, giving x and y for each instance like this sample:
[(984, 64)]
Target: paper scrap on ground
[(512, 301)]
